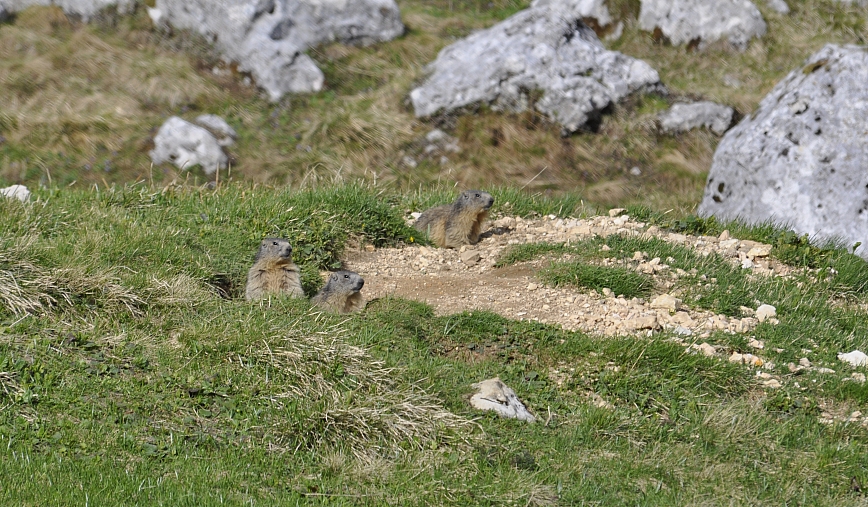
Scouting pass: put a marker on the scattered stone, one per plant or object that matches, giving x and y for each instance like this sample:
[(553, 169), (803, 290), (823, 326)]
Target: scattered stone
[(765, 312), (747, 263), (683, 117), (186, 145), (805, 362), (854, 358), (824, 370), (546, 49), (699, 22), (755, 344), (707, 350), (666, 302), (19, 192), (470, 257), (614, 212), (682, 331), (638, 323), (858, 377), (759, 251), (493, 394), (800, 158), (748, 359), (772, 383)]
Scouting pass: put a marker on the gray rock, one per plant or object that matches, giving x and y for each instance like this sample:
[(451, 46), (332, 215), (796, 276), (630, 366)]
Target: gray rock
[(19, 192), (85, 9), (268, 37), (595, 14), (800, 158), (224, 133), (186, 145), (684, 117), (493, 394), (544, 48), (703, 21), (779, 6)]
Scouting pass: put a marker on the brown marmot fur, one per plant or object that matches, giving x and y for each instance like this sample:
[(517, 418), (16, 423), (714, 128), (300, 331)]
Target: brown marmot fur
[(341, 292), (273, 271), (459, 223)]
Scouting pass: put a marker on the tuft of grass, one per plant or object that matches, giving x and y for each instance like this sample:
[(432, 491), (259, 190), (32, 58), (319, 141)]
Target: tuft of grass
[(621, 281)]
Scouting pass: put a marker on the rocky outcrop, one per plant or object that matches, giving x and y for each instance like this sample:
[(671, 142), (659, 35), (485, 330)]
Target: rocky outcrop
[(699, 22), (545, 50), (268, 37), (186, 145), (801, 157), (684, 117), (596, 15), (84, 9)]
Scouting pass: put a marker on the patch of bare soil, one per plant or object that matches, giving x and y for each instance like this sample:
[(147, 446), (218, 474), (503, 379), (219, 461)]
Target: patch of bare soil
[(466, 279)]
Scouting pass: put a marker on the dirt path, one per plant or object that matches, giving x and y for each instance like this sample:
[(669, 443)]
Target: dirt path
[(456, 280)]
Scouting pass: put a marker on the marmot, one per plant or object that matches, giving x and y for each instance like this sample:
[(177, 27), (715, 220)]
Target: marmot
[(459, 223), (273, 272), (341, 292)]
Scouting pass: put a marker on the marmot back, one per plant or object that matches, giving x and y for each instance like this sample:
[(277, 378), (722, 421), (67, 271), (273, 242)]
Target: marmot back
[(341, 292), (459, 223), (273, 271)]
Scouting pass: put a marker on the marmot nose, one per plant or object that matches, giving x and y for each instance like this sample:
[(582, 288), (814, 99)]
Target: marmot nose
[(361, 283)]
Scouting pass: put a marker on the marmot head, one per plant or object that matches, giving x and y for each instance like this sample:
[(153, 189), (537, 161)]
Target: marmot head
[(274, 248), (348, 280), (476, 199)]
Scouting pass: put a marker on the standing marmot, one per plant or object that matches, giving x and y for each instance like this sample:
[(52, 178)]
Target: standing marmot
[(341, 292), (273, 272), (459, 223)]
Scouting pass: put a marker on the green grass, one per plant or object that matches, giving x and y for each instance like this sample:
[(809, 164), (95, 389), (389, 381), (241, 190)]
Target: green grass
[(131, 377), (620, 280)]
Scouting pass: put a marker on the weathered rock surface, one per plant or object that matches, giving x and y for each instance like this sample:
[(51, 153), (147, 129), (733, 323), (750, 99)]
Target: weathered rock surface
[(268, 37), (544, 48), (224, 133), (85, 9), (800, 158), (684, 117), (700, 22), (779, 6), (186, 145), (596, 15), (19, 192), (854, 358), (493, 394)]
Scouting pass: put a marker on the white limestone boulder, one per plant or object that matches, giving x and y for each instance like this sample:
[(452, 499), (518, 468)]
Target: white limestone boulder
[(545, 50), (186, 145), (683, 117), (268, 37), (800, 159), (699, 22), (493, 394), (84, 9)]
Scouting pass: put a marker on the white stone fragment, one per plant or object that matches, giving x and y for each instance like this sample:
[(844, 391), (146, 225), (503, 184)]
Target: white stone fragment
[(854, 358), (19, 192), (493, 394)]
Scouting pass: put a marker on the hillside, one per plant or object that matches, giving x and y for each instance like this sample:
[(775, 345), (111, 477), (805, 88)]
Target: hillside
[(669, 359), (119, 79), (132, 368)]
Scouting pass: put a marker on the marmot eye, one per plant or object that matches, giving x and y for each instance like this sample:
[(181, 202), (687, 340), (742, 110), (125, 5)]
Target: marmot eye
[(477, 195), (346, 276), (274, 243)]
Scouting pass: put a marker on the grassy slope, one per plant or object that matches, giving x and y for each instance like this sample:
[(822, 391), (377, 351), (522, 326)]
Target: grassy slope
[(118, 80), (136, 380)]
